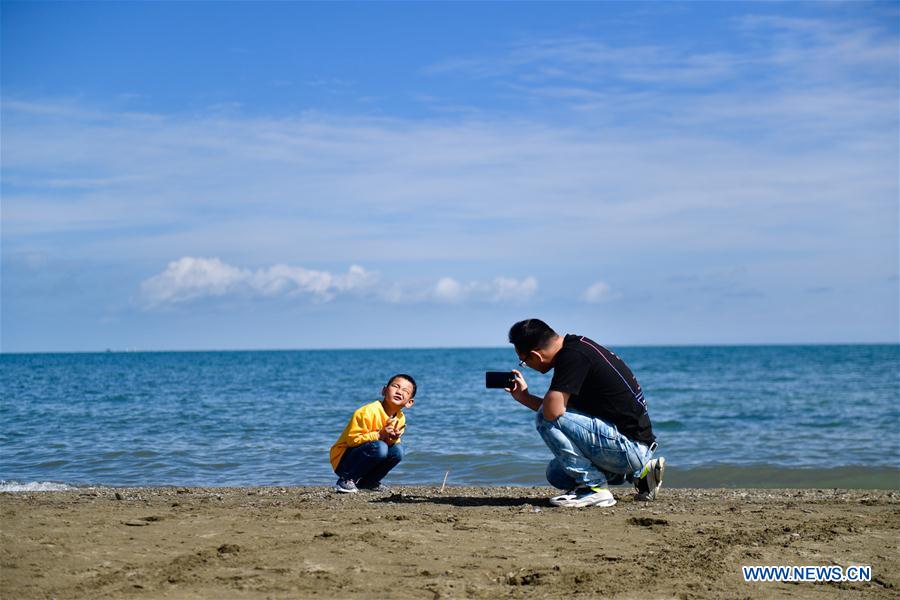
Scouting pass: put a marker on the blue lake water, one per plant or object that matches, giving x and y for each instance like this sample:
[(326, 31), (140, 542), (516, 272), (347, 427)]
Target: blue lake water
[(723, 415)]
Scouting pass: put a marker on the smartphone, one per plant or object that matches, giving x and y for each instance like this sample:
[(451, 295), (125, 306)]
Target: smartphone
[(499, 379)]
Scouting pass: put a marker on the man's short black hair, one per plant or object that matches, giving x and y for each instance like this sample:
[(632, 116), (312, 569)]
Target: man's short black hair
[(530, 334), (406, 377)]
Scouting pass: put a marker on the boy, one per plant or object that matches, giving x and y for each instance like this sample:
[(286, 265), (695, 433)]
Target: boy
[(369, 446)]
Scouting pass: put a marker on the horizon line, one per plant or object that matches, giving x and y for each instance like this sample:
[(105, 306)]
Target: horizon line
[(472, 347)]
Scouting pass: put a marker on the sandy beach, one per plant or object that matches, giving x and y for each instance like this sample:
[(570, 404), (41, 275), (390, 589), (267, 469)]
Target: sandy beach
[(416, 542)]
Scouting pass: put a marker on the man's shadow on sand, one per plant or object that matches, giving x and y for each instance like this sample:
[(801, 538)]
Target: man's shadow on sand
[(463, 500)]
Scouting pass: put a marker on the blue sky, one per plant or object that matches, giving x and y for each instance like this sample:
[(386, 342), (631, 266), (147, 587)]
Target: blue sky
[(326, 175)]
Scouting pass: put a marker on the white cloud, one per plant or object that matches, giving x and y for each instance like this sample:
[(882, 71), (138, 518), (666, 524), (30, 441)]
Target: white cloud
[(598, 292), (189, 279), (500, 289), (448, 289), (764, 46), (507, 289)]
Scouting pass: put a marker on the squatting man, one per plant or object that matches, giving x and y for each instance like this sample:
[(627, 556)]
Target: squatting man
[(593, 418)]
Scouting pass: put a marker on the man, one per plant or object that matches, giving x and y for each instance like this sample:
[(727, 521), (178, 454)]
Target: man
[(593, 418)]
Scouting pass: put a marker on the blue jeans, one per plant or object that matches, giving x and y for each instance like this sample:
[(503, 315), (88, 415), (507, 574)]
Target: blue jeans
[(368, 463), (589, 451)]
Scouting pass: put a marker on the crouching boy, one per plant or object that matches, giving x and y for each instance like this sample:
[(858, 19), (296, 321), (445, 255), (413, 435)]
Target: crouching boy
[(369, 446)]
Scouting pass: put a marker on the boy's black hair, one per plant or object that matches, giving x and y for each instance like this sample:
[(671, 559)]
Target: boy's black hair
[(406, 377), (530, 334)]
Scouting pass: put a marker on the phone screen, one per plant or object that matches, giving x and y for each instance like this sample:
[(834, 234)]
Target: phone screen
[(499, 379)]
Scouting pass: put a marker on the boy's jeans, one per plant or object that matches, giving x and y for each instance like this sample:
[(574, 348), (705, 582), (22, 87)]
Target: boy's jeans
[(368, 463), (589, 451)]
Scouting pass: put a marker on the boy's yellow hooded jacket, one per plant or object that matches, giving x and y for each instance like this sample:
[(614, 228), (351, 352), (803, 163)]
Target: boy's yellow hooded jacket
[(363, 427)]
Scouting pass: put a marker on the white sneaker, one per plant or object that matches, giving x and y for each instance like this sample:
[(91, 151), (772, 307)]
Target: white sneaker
[(345, 486), (563, 498), (651, 480), (584, 496)]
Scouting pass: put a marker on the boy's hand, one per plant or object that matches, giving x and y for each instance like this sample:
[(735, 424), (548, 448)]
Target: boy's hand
[(520, 388), (390, 433)]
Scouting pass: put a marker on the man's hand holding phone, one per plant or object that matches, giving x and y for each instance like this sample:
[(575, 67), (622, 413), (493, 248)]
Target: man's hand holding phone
[(514, 383), (520, 386)]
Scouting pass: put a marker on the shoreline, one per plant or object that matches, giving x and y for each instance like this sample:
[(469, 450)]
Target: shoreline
[(716, 476), (415, 542)]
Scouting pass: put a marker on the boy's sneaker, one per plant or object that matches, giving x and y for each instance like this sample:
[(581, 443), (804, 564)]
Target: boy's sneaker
[(651, 480), (584, 496), (345, 486), (378, 488)]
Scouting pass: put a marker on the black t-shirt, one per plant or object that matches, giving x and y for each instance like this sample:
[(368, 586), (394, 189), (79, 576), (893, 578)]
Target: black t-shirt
[(602, 385)]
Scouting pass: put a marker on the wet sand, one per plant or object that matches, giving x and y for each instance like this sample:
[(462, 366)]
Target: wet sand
[(418, 543)]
